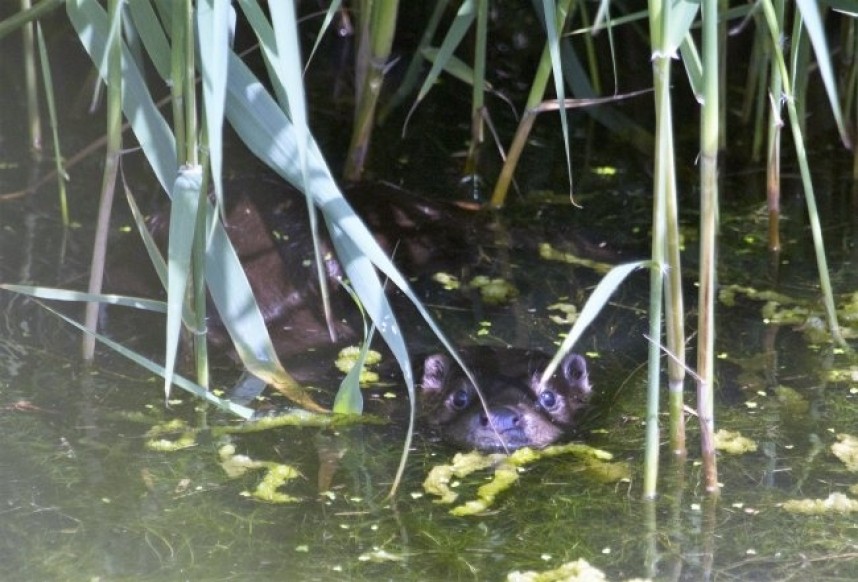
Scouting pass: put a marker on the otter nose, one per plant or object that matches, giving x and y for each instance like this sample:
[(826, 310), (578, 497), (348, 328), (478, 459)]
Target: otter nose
[(503, 418)]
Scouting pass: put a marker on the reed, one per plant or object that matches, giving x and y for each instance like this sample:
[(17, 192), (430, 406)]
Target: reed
[(710, 129), (376, 31), (186, 155), (111, 168)]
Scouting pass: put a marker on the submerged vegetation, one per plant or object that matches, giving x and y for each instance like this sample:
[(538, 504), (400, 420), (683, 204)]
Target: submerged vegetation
[(137, 48)]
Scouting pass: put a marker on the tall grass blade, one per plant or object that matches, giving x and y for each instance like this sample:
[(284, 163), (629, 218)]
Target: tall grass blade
[(56, 294), (332, 10), (22, 17), (55, 132), (593, 306), (183, 383), (550, 17), (458, 28), (349, 399)]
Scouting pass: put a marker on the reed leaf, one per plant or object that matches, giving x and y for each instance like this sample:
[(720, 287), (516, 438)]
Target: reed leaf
[(458, 28), (812, 20), (215, 23), (227, 281), (332, 10), (349, 399), (550, 18), (183, 215), (55, 133), (592, 307), (152, 35), (55, 294), (152, 131), (183, 383)]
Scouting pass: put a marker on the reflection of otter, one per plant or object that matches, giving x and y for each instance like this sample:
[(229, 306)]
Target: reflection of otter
[(518, 412)]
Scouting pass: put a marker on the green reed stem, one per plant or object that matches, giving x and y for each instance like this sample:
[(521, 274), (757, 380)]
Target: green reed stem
[(804, 170), (478, 90), (378, 36), (661, 86), (47, 80)]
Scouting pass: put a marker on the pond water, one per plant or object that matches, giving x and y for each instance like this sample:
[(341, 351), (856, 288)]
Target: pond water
[(86, 496)]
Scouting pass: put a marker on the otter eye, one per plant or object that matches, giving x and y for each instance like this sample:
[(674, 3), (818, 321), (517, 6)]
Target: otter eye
[(460, 399), (548, 399)]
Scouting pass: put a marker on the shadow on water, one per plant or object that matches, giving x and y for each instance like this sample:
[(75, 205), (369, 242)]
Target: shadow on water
[(85, 496)]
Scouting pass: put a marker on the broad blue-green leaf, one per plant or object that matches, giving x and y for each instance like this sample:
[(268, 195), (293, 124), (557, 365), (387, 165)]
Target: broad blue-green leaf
[(152, 131), (153, 36), (183, 218), (228, 284), (213, 34), (693, 66), (682, 15), (597, 300)]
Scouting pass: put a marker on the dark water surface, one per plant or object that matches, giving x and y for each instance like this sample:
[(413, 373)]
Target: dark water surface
[(82, 495)]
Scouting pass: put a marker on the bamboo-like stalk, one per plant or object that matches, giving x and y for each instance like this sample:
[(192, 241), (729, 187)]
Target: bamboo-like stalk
[(807, 184), (709, 142), (675, 303), (188, 64), (34, 121), (773, 155), (382, 28), (723, 6), (661, 85), (191, 156), (108, 183), (849, 60), (478, 93)]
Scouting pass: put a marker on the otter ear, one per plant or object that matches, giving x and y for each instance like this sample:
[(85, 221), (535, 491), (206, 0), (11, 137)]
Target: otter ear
[(435, 368), (574, 368)]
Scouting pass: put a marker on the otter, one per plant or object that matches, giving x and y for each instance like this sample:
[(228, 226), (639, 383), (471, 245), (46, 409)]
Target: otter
[(518, 411), (267, 223)]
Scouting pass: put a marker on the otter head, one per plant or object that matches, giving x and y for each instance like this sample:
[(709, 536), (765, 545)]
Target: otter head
[(518, 411)]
